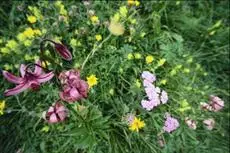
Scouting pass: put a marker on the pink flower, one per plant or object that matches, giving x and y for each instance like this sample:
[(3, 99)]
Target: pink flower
[(74, 88), (129, 118), (63, 51), (28, 79), (164, 97), (146, 75), (148, 105), (216, 103), (56, 113), (209, 123), (206, 106), (191, 123), (171, 124)]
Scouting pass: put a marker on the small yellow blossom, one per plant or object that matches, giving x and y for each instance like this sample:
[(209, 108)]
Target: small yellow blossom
[(138, 83), (98, 37), (131, 2), (142, 34), (130, 56), (137, 56), (184, 106), (21, 37), (137, 3), (63, 11), (136, 125), (161, 62), (2, 106), (164, 81), (32, 19), (133, 21), (94, 19), (29, 33), (8, 67), (205, 74), (44, 63), (27, 43), (37, 32), (12, 44), (36, 12), (186, 70), (149, 59), (123, 11), (92, 80), (116, 28)]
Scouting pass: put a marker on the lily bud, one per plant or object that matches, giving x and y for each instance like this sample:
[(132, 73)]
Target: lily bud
[(63, 51)]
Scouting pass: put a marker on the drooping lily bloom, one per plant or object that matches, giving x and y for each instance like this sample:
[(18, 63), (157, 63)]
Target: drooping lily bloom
[(29, 79), (63, 51), (216, 103), (74, 88), (56, 113)]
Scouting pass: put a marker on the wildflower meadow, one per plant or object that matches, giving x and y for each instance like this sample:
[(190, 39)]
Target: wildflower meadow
[(126, 76)]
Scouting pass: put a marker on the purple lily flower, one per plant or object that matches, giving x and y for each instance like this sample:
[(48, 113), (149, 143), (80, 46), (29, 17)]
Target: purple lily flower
[(28, 79)]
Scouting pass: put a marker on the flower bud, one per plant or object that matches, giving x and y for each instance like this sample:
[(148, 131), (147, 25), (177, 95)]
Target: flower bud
[(63, 51)]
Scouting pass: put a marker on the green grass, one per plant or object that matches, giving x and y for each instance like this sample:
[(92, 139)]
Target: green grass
[(176, 31)]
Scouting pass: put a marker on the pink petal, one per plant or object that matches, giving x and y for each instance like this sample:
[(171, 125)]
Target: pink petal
[(22, 70), (19, 88), (12, 78), (38, 70), (53, 118), (45, 77), (62, 115), (74, 93)]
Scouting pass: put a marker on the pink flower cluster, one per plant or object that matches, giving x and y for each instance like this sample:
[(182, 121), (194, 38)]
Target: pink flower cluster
[(171, 123), (74, 88), (154, 94), (215, 104)]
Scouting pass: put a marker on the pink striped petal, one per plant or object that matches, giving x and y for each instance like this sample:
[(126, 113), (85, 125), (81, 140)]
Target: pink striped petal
[(19, 88), (53, 118), (12, 78), (62, 115), (22, 70), (45, 77), (74, 93), (38, 70)]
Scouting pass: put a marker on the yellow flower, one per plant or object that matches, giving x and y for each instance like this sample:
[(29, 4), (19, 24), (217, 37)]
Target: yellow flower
[(37, 32), (136, 125), (142, 34), (149, 59), (94, 19), (164, 81), (27, 43), (12, 44), (111, 92), (2, 106), (98, 37), (21, 37), (161, 62), (173, 72), (32, 19), (44, 64), (45, 129), (123, 11), (116, 28), (63, 11), (29, 33), (184, 106), (131, 2), (130, 56), (137, 3), (137, 56), (36, 12), (92, 80)]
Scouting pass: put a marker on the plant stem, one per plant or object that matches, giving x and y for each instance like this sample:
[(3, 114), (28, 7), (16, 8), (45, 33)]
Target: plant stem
[(94, 50)]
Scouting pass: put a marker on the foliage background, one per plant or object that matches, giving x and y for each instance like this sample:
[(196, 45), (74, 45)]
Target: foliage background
[(175, 30)]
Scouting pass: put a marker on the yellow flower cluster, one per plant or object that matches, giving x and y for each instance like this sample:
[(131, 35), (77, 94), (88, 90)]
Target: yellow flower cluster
[(75, 42), (92, 80), (149, 59), (32, 19), (36, 12), (2, 106), (133, 2), (11, 45), (61, 8), (94, 19), (175, 70), (27, 35), (136, 125)]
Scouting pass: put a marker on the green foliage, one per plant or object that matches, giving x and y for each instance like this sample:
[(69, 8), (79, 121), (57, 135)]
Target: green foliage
[(193, 37)]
